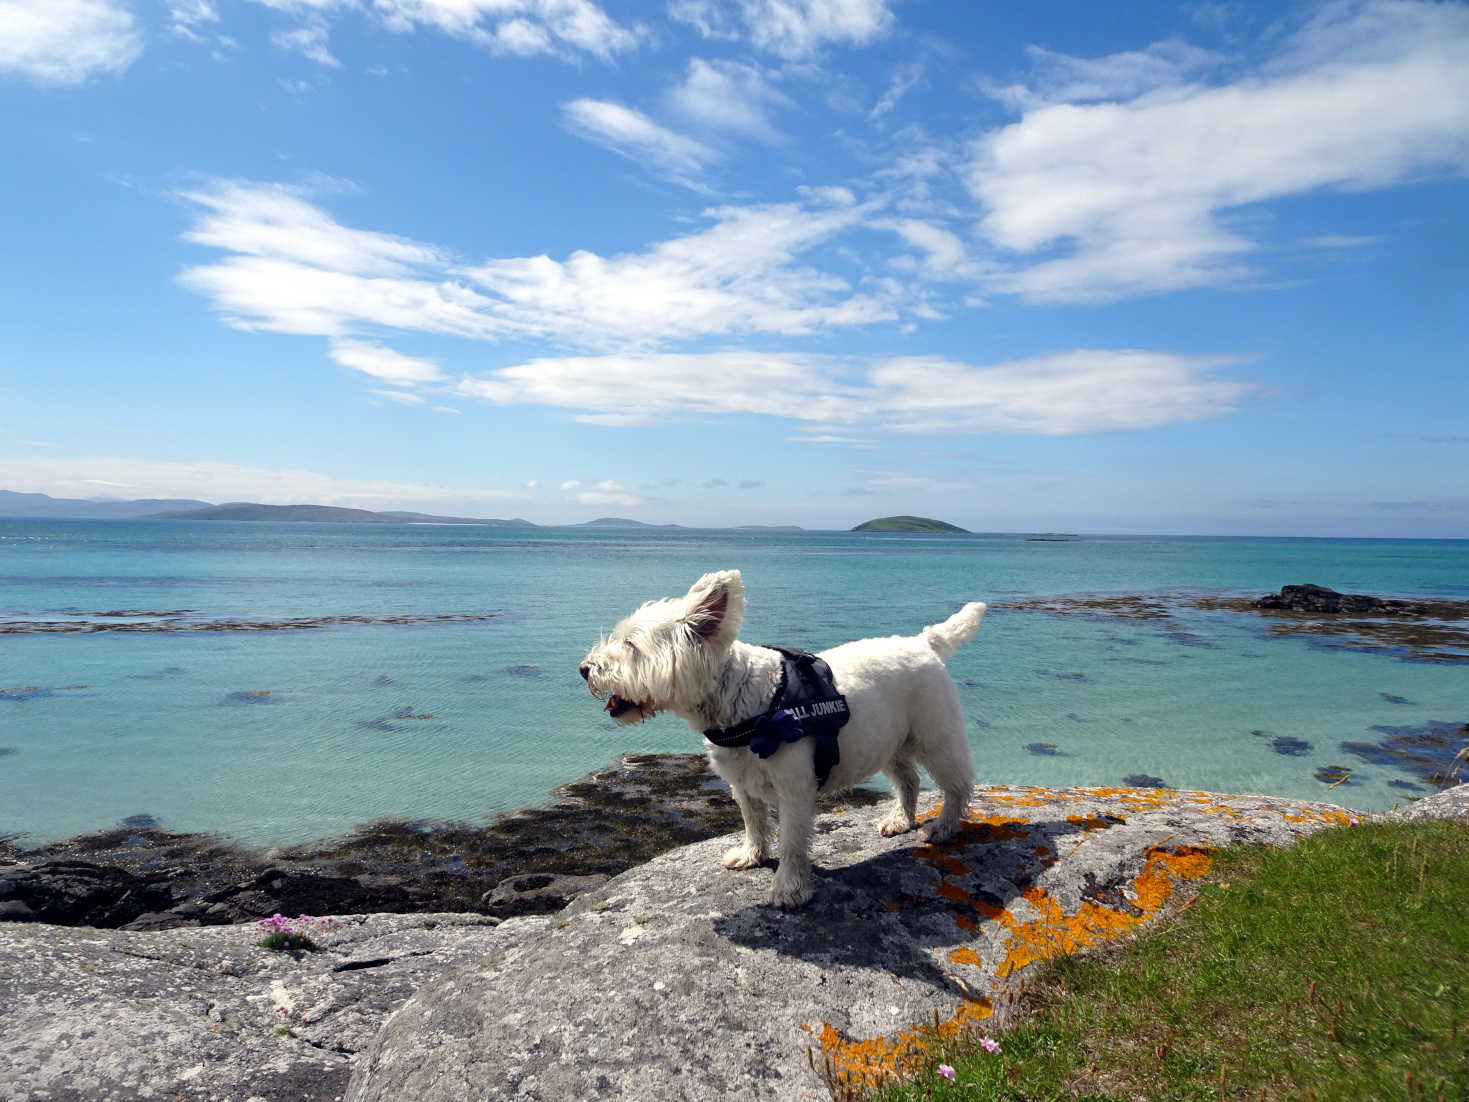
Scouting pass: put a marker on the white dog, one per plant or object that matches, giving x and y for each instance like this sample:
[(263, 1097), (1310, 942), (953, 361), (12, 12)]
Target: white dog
[(681, 655)]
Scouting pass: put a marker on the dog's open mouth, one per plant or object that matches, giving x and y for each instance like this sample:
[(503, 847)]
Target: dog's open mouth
[(618, 708)]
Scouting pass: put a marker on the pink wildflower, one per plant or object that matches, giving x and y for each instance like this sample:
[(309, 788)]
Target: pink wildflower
[(947, 1072), (989, 1044)]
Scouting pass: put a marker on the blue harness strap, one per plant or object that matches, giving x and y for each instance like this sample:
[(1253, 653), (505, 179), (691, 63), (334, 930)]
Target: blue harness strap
[(806, 705)]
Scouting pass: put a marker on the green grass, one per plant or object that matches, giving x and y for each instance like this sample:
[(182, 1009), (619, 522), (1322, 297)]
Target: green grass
[(1336, 969)]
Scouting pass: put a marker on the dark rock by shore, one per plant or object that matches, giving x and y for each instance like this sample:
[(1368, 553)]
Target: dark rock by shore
[(531, 862), (1421, 630), (1318, 598)]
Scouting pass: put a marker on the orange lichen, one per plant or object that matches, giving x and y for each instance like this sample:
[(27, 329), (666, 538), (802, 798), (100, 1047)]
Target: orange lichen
[(1091, 822), (937, 859), (953, 893), (867, 1064), (966, 955)]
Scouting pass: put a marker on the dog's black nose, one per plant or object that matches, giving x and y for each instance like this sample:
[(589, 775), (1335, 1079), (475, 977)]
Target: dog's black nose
[(585, 671)]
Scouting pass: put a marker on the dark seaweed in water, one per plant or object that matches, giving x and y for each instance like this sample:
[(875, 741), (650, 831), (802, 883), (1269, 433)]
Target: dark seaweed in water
[(1393, 698), (38, 692), (1045, 749), (1434, 753), (524, 671), (158, 675), (1334, 775), (6, 751), (1144, 780), (249, 696), (1292, 747)]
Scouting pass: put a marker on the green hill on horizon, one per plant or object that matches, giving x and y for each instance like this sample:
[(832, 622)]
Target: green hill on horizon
[(319, 514), (907, 524)]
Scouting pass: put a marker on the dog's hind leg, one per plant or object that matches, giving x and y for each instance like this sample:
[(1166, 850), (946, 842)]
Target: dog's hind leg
[(942, 748), (756, 845), (901, 818)]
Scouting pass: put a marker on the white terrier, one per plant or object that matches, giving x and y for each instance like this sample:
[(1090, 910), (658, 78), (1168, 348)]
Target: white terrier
[(681, 655)]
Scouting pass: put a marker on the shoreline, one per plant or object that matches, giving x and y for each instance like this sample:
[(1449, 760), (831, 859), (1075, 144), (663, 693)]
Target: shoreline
[(531, 861)]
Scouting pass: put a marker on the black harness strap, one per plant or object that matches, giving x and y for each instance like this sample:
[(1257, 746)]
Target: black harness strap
[(806, 705)]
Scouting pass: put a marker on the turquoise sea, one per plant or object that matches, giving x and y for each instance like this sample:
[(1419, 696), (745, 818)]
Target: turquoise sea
[(286, 735)]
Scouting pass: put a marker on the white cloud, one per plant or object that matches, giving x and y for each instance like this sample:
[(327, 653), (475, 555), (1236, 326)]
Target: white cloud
[(792, 29), (1060, 78), (740, 275), (384, 363), (726, 95), (634, 135), (1071, 393), (219, 482), (562, 28), (402, 397), (189, 18), (946, 256), (66, 41), (289, 267), (308, 40), (904, 79), (606, 492), (646, 389), (1132, 195)]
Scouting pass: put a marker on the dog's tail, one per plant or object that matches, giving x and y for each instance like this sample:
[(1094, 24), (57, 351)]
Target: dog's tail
[(954, 632)]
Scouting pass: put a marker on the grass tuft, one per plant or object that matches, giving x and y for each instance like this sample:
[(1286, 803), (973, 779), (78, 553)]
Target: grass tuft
[(1337, 969)]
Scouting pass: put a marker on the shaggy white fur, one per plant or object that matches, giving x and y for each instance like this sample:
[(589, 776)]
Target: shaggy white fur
[(681, 655)]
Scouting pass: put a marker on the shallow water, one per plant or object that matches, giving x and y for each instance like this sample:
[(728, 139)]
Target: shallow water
[(300, 732)]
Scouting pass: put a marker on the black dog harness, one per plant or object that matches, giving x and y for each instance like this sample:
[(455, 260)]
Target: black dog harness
[(806, 704)]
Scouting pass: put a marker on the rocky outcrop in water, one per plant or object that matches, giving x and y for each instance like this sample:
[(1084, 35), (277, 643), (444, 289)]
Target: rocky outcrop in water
[(1317, 598)]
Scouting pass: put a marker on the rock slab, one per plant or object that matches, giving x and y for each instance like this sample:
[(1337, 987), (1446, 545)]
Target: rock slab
[(676, 981), (207, 1015)]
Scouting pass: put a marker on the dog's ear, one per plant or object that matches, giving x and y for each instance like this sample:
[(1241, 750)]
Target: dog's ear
[(716, 607)]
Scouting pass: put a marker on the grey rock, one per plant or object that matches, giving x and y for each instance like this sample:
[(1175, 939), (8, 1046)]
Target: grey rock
[(1452, 803), (675, 981), (538, 892), (205, 1014)]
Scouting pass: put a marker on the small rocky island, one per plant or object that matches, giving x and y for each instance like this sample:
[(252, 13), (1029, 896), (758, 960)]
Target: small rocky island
[(908, 524)]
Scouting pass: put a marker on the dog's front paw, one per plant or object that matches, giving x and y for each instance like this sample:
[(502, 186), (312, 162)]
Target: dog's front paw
[(742, 857), (790, 894), (894, 825)]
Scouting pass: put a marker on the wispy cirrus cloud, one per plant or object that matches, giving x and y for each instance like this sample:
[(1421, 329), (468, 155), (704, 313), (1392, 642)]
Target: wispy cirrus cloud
[(1070, 393), (792, 29), (632, 134), (605, 492), (384, 363), (66, 41), (309, 40), (218, 482), (729, 96), (1133, 194), (289, 267), (564, 28)]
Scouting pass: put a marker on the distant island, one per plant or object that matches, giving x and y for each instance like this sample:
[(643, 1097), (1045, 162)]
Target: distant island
[(907, 524), (321, 514), (13, 504), (620, 522)]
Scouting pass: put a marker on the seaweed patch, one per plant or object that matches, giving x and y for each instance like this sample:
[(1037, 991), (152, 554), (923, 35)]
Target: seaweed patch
[(38, 692)]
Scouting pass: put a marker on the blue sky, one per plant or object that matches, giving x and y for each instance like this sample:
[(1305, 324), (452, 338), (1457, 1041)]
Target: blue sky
[(1141, 267)]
